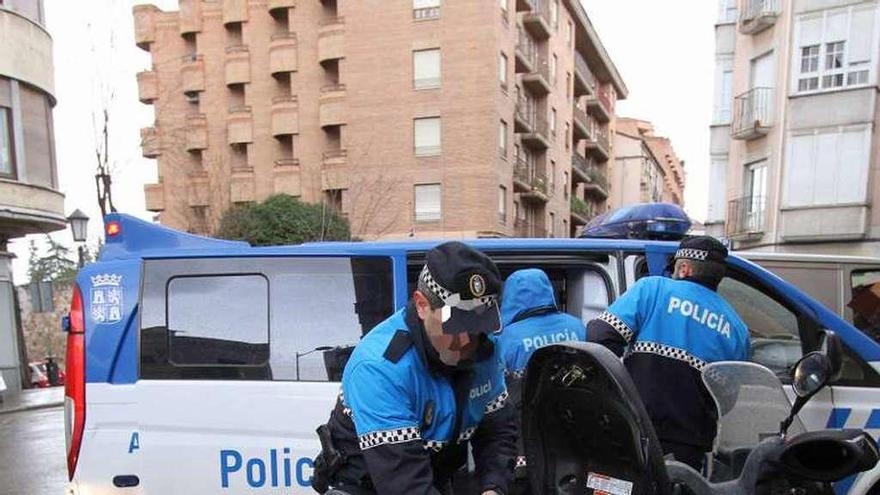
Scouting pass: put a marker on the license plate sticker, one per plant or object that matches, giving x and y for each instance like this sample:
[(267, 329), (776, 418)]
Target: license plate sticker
[(606, 485)]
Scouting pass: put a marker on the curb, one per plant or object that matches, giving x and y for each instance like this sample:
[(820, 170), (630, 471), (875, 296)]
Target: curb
[(32, 408)]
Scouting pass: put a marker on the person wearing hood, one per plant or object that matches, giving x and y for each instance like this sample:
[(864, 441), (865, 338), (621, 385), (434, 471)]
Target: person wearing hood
[(530, 319)]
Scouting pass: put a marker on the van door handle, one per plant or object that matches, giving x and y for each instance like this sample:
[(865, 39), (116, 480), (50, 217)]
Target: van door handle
[(126, 481)]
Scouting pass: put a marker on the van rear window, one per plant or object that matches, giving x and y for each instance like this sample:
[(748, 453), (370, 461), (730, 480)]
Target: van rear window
[(295, 318)]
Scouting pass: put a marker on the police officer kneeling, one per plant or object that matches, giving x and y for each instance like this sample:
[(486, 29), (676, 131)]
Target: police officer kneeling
[(673, 328), (421, 385)]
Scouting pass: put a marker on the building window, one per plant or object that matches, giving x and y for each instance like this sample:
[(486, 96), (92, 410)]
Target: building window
[(565, 231), (552, 179), (567, 136), (834, 49), (502, 139), (427, 136), (426, 69), (568, 90), (828, 167), (503, 5), (426, 9), (502, 204), (552, 224), (502, 70), (554, 64), (553, 122), (7, 151), (570, 33), (565, 186), (554, 13), (427, 202)]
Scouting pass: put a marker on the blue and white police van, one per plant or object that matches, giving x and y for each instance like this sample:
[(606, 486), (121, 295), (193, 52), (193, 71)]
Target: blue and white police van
[(203, 366)]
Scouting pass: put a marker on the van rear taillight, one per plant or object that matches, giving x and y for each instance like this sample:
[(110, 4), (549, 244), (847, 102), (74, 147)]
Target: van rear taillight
[(75, 382)]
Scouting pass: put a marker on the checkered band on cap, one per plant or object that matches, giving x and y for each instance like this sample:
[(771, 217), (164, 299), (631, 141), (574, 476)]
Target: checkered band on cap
[(670, 352), (497, 403), (692, 254), (389, 437), (433, 285), (619, 325)]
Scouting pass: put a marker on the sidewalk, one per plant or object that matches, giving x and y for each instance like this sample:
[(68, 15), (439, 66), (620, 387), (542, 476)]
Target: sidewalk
[(32, 399)]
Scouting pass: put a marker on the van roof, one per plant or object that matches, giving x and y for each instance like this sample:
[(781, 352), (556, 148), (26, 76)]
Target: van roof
[(807, 258)]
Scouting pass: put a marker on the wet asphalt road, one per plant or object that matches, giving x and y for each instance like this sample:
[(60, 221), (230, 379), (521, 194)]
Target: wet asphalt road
[(32, 457)]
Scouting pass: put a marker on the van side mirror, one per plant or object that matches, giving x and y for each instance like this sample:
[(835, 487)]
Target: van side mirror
[(831, 346), (809, 375)]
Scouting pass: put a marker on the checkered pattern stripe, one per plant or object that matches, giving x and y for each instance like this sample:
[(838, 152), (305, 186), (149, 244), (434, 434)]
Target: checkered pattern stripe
[(345, 409), (435, 445), (520, 461), (519, 374), (389, 437), (692, 254), (432, 284), (618, 324), (670, 352), (497, 403), (466, 434)]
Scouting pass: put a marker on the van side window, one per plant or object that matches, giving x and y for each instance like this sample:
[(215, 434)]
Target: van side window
[(218, 320), (774, 330), (865, 302)]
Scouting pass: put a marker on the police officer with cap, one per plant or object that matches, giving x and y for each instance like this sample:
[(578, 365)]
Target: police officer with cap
[(670, 329), (421, 385)]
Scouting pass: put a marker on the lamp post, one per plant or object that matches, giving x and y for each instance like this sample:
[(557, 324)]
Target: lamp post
[(78, 225)]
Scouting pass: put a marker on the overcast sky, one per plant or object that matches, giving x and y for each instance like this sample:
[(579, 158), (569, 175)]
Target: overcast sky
[(663, 50)]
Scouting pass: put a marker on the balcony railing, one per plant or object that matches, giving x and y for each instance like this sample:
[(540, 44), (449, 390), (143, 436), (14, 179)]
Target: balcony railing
[(525, 228), (752, 113), (335, 155), (580, 208), (597, 177), (426, 13), (757, 15), (526, 49), (582, 165), (745, 216), (333, 88), (537, 19), (584, 71)]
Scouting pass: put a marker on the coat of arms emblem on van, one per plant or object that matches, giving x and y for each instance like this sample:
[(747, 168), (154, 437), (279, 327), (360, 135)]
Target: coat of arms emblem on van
[(105, 298)]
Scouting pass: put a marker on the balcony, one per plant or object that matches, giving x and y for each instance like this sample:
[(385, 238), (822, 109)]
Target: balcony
[(151, 143), (285, 116), (539, 137), (585, 82), (240, 125), (283, 56), (522, 176), (538, 81), (148, 86), (597, 184), (331, 39), (198, 187), (525, 228), (235, 11), (524, 115), (526, 52), (745, 217), (144, 25), (281, 4), (581, 168), (334, 173), (581, 212), (154, 196), (752, 114), (537, 19), (192, 73), (238, 65), (757, 15), (196, 134), (332, 105), (599, 105), (581, 128), (539, 190), (287, 177), (597, 144), (190, 15), (242, 185)]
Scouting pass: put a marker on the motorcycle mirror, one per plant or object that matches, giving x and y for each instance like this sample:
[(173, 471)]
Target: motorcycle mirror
[(831, 346), (810, 374)]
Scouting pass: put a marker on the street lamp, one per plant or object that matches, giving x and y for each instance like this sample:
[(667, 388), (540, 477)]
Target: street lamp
[(78, 224)]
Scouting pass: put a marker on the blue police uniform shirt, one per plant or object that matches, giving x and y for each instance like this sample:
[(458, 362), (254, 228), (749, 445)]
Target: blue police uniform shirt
[(397, 402), (679, 319), (527, 291)]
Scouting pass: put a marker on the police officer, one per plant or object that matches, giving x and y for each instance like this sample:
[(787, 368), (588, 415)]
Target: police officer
[(531, 320), (421, 385), (673, 328)]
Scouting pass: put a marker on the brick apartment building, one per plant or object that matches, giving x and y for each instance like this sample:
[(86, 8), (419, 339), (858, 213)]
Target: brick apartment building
[(417, 118), (646, 168)]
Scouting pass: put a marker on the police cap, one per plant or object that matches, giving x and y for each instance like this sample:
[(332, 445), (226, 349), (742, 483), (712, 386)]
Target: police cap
[(702, 248)]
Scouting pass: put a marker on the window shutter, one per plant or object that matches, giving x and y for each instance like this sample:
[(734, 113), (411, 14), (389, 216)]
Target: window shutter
[(810, 31), (799, 176), (852, 167), (423, 4), (427, 202), (426, 65), (427, 133), (835, 26), (826, 169), (861, 35)]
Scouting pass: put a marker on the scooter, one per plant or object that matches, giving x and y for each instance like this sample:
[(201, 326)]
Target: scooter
[(585, 429)]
